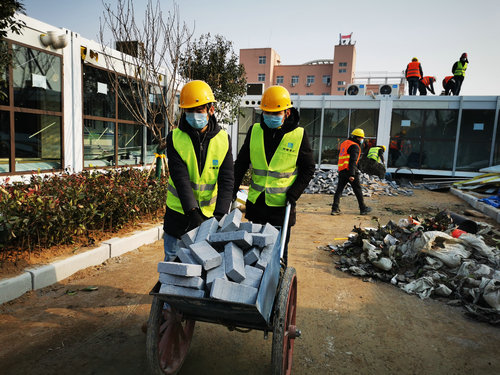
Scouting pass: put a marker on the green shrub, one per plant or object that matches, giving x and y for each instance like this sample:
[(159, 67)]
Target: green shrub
[(56, 209)]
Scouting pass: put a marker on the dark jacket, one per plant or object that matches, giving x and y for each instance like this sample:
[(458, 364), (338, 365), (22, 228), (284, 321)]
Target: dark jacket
[(353, 152), (176, 223), (455, 65), (260, 212)]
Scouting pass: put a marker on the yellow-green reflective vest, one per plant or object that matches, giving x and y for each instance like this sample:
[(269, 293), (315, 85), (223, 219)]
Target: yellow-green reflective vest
[(204, 186), (277, 177), (460, 69), (373, 154)]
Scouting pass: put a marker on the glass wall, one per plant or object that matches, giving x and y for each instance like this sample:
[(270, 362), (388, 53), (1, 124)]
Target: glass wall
[(33, 114), (422, 138), (247, 117), (474, 146), (111, 135)]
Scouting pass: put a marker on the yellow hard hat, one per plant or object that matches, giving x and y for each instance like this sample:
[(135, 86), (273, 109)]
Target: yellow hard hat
[(384, 147), (196, 93), (414, 59), (275, 99), (358, 133)]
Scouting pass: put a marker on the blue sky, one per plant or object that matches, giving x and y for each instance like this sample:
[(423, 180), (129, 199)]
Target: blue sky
[(388, 33)]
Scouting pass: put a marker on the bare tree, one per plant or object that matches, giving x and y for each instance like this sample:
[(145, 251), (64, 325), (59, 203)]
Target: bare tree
[(146, 72)]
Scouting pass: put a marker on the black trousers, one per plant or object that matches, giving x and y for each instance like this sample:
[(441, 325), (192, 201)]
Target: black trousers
[(356, 187), (458, 84)]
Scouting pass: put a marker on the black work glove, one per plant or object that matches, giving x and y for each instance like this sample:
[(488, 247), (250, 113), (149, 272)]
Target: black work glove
[(195, 218), (291, 199), (218, 216)]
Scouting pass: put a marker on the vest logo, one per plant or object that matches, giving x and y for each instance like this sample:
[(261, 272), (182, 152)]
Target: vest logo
[(215, 164), (290, 145), (289, 148)]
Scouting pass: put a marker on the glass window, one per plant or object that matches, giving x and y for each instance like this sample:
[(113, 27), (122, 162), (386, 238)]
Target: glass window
[(247, 117), (38, 142), (129, 144), (279, 79), (4, 77), (336, 123), (262, 59), (310, 80), (340, 88), (125, 96), (98, 143), (326, 79), (330, 151), (340, 82), (342, 70), (98, 93), (366, 119), (151, 146), (310, 120), (343, 64), (4, 142), (261, 77), (36, 79), (295, 80), (476, 132)]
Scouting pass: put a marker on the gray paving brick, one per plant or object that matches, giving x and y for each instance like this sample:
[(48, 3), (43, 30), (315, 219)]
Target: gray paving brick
[(216, 273), (232, 221), (262, 239), (251, 256), (235, 265), (206, 255), (195, 282), (181, 291), (241, 238), (189, 237), (221, 222), (253, 276), (180, 269), (265, 256), (270, 229), (233, 292), (185, 256), (206, 229), (250, 227)]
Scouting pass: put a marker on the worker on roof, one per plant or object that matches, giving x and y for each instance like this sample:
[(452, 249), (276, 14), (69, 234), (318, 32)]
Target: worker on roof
[(449, 85), (413, 74), (458, 70), (281, 157), (200, 162), (374, 163), (350, 152), (426, 84)]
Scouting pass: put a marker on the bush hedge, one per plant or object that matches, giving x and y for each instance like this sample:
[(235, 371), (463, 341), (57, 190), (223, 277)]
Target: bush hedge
[(56, 209)]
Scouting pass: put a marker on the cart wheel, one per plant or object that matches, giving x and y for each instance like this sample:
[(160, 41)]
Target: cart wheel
[(285, 332), (168, 339)]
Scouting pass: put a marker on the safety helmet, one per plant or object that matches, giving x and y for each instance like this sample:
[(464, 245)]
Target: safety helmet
[(275, 99), (383, 147), (414, 59), (196, 93), (464, 56), (358, 133)]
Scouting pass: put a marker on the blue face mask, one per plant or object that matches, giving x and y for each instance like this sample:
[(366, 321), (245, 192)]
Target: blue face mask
[(273, 122), (197, 120)]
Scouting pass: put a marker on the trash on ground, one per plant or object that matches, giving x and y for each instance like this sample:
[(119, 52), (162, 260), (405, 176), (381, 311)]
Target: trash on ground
[(422, 257)]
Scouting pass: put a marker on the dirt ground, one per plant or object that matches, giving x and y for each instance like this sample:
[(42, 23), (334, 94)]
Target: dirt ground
[(348, 326)]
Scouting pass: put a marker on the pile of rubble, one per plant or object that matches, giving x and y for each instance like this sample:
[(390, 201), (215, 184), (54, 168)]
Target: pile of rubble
[(430, 259), (224, 260), (325, 182)]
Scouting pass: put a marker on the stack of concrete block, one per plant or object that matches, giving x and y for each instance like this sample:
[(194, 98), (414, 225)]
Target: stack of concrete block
[(224, 260)]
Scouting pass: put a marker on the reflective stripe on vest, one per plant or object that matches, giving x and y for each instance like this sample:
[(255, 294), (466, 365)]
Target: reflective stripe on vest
[(344, 155), (204, 187), (426, 80), (460, 70), (277, 177), (446, 79), (413, 69), (373, 154)]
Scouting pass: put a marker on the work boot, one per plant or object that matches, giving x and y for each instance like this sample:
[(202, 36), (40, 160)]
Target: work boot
[(335, 211), (365, 210)]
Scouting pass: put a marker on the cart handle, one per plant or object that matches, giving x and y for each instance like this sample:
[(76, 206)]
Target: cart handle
[(284, 229)]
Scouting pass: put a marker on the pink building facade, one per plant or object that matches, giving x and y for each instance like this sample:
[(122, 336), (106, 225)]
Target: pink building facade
[(318, 77)]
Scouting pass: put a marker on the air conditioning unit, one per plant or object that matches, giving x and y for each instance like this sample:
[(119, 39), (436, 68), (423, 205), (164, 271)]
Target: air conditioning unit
[(389, 89), (356, 89), (293, 84), (308, 84)]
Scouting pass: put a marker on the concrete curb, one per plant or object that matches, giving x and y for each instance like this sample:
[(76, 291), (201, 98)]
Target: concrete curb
[(485, 208), (40, 277)]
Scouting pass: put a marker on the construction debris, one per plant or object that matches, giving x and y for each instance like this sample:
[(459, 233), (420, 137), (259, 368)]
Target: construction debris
[(423, 258), (325, 182)]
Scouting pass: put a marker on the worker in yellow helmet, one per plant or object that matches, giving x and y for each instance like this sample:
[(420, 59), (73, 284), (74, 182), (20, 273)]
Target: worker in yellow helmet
[(374, 163), (282, 161), (200, 164), (349, 154), (413, 73)]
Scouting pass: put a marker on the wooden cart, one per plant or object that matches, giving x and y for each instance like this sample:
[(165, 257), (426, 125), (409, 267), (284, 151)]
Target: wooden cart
[(170, 332)]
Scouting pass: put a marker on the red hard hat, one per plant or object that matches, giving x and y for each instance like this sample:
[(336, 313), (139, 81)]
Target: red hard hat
[(464, 55)]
